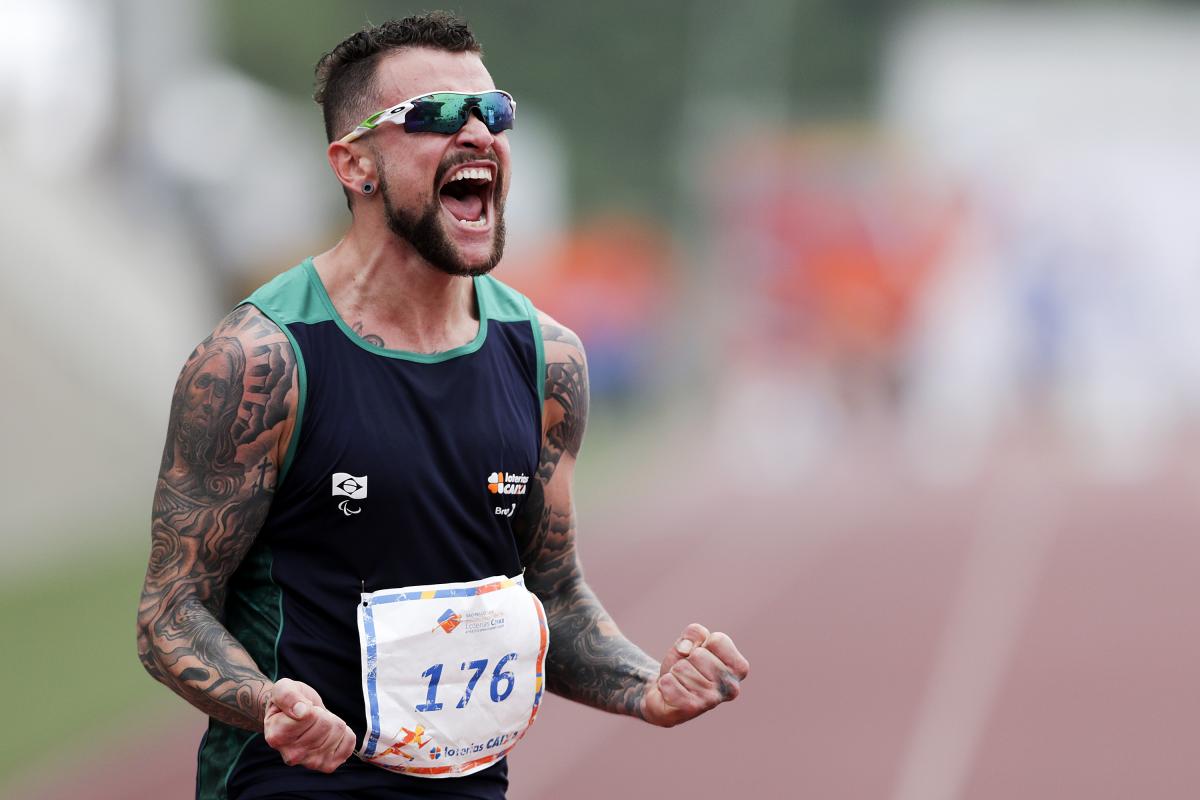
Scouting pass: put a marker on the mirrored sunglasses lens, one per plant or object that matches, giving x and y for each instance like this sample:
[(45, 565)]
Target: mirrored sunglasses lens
[(496, 109), (436, 113), (447, 112)]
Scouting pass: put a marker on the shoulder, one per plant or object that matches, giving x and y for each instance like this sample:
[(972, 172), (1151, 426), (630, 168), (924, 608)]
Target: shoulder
[(234, 404), (250, 327), (560, 342), (566, 385), (248, 361), (559, 346), (291, 296), (566, 376), (503, 302)]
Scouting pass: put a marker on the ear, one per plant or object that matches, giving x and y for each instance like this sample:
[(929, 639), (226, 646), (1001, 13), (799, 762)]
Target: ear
[(352, 166)]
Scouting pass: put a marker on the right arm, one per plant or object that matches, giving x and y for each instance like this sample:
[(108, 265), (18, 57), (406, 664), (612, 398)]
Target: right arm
[(209, 505), (232, 416)]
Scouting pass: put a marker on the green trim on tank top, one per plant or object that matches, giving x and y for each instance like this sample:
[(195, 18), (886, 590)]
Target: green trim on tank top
[(285, 299), (224, 745), (274, 673), (540, 346), (302, 387), (404, 355)]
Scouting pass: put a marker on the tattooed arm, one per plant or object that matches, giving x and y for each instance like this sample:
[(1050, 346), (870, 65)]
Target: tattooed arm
[(231, 417), (589, 660), (231, 420)]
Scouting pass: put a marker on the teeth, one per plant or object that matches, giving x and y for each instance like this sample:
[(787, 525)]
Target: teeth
[(473, 173), (478, 223)]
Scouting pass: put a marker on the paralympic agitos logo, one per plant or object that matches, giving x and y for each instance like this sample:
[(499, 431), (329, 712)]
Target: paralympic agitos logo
[(352, 487)]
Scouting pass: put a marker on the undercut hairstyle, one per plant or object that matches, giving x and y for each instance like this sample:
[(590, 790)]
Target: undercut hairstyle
[(345, 86)]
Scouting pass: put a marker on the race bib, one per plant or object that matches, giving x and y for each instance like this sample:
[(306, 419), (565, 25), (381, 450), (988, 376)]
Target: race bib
[(452, 674)]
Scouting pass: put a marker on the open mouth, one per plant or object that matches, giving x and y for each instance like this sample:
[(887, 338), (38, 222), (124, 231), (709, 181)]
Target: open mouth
[(466, 194)]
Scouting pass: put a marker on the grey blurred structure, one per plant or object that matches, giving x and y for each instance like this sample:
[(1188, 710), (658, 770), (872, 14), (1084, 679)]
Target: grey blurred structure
[(91, 258), (127, 151), (1070, 291)]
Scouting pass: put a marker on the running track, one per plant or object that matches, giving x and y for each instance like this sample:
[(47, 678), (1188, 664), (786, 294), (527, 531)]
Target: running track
[(1032, 634)]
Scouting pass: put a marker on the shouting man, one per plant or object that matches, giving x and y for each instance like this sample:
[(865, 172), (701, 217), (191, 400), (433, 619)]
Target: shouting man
[(363, 533)]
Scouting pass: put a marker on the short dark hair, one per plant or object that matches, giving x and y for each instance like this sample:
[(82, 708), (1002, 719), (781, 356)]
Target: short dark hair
[(345, 86)]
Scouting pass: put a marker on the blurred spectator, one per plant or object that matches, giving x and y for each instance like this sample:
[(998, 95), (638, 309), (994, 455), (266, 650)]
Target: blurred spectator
[(828, 242), (614, 280)]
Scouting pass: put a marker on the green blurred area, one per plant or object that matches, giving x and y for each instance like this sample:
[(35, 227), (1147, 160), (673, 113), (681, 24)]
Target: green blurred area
[(71, 668), (613, 76)]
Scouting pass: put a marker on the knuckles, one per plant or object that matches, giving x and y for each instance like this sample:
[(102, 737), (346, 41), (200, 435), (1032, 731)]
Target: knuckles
[(691, 689), (734, 660), (719, 639)]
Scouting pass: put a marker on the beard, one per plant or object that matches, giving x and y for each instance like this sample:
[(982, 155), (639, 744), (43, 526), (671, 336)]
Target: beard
[(425, 231)]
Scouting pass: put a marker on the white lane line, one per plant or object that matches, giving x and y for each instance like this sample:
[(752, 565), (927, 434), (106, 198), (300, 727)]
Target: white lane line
[(997, 586)]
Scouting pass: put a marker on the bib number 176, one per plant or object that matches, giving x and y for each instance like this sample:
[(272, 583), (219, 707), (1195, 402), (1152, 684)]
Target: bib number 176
[(501, 686)]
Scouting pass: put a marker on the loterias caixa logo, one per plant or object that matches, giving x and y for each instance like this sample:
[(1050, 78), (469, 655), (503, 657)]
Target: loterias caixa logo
[(448, 621), (352, 487), (471, 622), (507, 483)]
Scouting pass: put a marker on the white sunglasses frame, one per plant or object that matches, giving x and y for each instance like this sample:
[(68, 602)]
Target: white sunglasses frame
[(396, 113)]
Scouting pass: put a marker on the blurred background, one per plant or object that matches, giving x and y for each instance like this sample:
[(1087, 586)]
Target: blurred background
[(895, 369)]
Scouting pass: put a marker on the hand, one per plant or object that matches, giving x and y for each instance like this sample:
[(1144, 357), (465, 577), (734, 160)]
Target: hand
[(298, 725), (702, 671)]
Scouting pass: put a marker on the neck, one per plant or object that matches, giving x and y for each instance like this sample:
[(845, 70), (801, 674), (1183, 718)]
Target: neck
[(379, 282)]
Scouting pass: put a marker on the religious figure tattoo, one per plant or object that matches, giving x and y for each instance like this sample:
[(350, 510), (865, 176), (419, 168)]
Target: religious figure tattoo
[(588, 660), (231, 413)]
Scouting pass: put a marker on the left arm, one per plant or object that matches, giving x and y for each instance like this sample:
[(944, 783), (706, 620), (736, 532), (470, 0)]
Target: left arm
[(589, 660)]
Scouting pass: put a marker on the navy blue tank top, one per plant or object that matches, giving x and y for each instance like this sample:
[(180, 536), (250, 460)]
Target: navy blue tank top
[(395, 476)]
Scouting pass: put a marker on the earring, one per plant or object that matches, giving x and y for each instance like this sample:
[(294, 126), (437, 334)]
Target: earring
[(368, 187)]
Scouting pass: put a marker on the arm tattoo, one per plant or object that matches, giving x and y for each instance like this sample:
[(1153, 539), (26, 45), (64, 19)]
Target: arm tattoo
[(589, 660), (231, 408)]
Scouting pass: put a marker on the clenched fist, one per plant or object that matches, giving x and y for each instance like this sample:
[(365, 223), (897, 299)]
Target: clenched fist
[(298, 725), (700, 672)]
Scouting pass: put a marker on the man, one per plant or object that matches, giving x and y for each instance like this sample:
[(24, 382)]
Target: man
[(364, 512)]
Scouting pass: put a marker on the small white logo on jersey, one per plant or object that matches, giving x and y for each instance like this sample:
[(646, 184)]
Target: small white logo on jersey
[(353, 487), (506, 512)]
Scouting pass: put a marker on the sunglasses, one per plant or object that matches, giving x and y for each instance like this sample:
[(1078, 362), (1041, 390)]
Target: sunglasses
[(443, 112)]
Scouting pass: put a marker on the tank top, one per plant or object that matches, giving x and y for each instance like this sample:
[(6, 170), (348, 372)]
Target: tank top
[(403, 469)]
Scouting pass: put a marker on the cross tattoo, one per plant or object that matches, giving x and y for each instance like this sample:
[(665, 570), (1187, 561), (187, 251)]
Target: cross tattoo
[(262, 477)]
